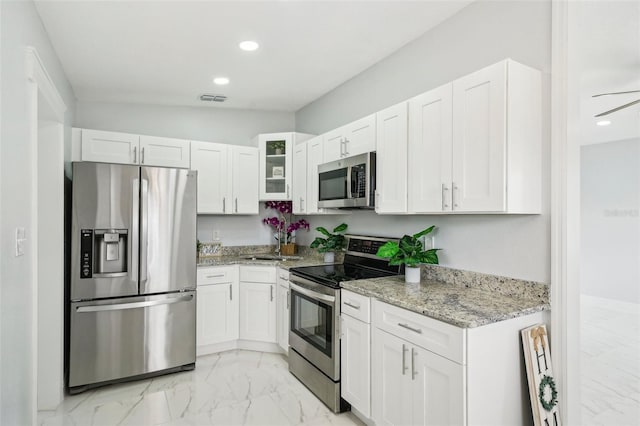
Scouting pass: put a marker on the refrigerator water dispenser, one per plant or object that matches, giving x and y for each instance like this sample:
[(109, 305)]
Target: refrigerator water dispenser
[(103, 253)]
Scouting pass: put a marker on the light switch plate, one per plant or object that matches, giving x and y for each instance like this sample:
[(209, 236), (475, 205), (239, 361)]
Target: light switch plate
[(20, 241)]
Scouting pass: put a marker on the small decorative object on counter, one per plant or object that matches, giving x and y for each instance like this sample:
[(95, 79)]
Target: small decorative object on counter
[(410, 252), (334, 242), (542, 386), (283, 225), (211, 249)]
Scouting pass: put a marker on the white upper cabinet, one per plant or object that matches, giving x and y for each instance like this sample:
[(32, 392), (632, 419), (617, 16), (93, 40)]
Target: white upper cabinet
[(496, 146), (165, 152), (110, 147), (351, 139), (244, 182), (276, 153), (211, 160), (315, 157), (125, 148), (391, 158), (299, 181), (429, 164), (227, 178)]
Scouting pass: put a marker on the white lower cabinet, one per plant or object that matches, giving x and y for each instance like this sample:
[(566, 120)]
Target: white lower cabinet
[(258, 304), (217, 305), (355, 364), (283, 318)]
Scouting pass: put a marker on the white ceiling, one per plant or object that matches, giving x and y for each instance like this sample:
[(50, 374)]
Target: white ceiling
[(167, 52), (607, 41)]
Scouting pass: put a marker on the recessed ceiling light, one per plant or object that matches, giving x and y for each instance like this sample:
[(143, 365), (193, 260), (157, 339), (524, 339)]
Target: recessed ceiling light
[(603, 123), (221, 81), (249, 45)]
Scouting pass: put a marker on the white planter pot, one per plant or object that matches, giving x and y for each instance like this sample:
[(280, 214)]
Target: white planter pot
[(329, 257), (411, 275)]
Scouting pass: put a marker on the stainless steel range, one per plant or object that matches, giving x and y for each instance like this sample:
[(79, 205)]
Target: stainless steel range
[(314, 334)]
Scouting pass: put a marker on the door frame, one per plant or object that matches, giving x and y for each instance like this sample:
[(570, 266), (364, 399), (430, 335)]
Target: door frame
[(565, 215), (40, 87)]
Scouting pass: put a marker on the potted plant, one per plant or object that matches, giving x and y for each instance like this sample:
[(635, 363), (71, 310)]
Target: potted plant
[(334, 242), (278, 147), (284, 226), (410, 252)]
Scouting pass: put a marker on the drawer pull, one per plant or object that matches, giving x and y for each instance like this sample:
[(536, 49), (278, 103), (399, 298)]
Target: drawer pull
[(215, 276), (415, 330), (352, 306), (413, 362)]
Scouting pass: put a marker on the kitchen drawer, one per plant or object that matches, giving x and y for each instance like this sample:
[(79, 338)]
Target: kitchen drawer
[(436, 336), (283, 274), (355, 305), (258, 274), (217, 274)]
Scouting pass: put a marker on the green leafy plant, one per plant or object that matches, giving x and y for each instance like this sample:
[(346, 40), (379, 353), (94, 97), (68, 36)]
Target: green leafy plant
[(409, 250), (277, 145), (333, 242)]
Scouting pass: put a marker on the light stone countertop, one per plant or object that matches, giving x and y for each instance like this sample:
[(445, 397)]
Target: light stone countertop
[(241, 260), (459, 305)]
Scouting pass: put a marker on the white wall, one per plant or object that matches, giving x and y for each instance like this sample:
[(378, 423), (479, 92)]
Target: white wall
[(20, 27), (481, 34), (237, 230), (212, 124), (610, 220)]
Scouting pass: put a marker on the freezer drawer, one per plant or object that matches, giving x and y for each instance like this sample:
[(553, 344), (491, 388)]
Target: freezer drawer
[(118, 338)]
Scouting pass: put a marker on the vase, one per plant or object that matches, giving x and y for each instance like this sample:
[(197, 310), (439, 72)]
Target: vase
[(412, 274), (288, 249), (329, 257), (278, 151)]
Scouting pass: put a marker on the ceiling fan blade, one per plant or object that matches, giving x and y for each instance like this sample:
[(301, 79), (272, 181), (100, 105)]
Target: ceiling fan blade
[(615, 93), (602, 114)]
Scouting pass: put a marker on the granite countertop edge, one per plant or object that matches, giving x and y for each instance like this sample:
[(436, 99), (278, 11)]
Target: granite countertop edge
[(463, 314), (240, 260)]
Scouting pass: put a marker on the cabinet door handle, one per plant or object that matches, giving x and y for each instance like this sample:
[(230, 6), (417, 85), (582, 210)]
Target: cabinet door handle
[(301, 204), (230, 291), (353, 306), (454, 194), (135, 154), (236, 205), (215, 276), (224, 204), (271, 292), (415, 330), (341, 147), (404, 363), (414, 373), (142, 156), (445, 205), (288, 299), (287, 190), (346, 141)]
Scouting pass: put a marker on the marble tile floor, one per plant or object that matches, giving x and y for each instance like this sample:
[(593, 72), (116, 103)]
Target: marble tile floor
[(609, 362), (231, 388)]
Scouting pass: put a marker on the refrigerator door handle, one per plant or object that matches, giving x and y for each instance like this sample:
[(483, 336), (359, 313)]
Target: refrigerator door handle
[(134, 305), (144, 237), (135, 228)]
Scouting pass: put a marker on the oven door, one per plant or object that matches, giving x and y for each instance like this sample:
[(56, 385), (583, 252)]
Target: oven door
[(313, 331)]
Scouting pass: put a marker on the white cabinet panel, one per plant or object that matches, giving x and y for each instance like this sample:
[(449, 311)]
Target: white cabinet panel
[(283, 318), (438, 389), (217, 314), (391, 167), (211, 160), (333, 145), (315, 157), (430, 150), (275, 166), (245, 180), (479, 140), (110, 147), (299, 181), (258, 312), (164, 152), (360, 136), (355, 363), (391, 383)]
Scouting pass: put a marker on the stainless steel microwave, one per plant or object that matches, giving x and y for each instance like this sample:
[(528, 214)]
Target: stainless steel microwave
[(348, 183)]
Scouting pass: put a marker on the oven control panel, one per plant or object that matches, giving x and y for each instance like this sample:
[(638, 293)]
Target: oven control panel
[(365, 246)]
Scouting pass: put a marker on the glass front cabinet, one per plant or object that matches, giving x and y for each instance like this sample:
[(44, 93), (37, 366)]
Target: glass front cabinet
[(276, 155)]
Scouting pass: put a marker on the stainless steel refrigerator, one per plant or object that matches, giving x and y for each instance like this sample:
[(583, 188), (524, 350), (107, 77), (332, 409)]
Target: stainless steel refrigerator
[(132, 295)]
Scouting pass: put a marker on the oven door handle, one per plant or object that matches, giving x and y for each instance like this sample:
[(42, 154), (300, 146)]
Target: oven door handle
[(311, 293)]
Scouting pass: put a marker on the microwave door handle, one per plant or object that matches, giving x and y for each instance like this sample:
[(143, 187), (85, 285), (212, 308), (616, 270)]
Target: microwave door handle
[(349, 183)]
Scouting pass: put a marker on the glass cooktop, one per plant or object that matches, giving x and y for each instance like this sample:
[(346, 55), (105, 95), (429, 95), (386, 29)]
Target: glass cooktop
[(332, 274)]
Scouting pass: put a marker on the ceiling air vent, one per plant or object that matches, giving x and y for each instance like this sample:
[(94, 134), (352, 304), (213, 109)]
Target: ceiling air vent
[(213, 98)]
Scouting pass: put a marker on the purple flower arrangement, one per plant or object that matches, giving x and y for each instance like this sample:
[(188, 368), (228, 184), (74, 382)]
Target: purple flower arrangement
[(282, 223)]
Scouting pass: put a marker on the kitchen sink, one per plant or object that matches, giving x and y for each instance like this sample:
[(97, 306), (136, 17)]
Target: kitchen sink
[(269, 257)]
